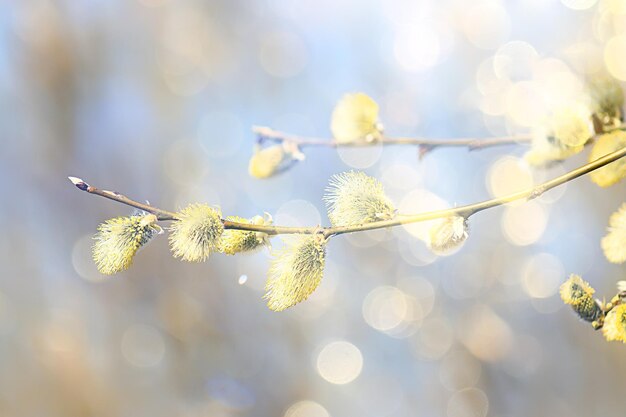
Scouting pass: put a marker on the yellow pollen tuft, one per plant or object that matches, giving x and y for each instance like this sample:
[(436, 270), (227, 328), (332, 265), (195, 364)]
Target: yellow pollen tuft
[(265, 162), (196, 232), (237, 241), (355, 118), (119, 239), (579, 294), (295, 272), (614, 243), (615, 171), (615, 324), (448, 234), (355, 198)]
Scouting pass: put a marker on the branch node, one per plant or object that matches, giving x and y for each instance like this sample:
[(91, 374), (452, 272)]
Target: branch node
[(536, 192)]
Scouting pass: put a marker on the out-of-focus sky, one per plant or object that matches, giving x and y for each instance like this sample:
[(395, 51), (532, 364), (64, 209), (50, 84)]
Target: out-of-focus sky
[(156, 98)]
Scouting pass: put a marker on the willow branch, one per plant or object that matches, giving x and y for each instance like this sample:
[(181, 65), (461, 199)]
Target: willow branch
[(464, 211), (266, 133)]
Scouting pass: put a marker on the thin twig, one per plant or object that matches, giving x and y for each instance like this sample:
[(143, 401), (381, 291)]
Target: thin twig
[(267, 133), (464, 211)]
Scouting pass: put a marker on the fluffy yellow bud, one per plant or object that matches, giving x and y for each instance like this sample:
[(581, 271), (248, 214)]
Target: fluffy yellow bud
[(196, 232), (119, 239), (615, 171), (579, 294), (615, 324), (571, 126), (607, 99), (236, 241), (545, 150), (296, 272), (265, 162), (448, 234), (355, 198), (355, 118), (614, 243)]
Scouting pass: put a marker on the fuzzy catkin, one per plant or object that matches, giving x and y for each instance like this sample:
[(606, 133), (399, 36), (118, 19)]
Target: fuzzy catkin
[(614, 172), (119, 239), (265, 162), (295, 272), (196, 232), (355, 198), (237, 241), (607, 99), (546, 150), (614, 243), (355, 118), (448, 234), (571, 126), (579, 295), (614, 328)]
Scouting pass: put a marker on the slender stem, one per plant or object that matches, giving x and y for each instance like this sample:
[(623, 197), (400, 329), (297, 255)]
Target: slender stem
[(266, 133), (464, 211)]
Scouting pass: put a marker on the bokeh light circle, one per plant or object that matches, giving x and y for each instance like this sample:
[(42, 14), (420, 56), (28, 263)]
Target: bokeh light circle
[(339, 362)]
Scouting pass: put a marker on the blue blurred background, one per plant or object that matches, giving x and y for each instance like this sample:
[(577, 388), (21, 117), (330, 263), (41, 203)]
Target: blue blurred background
[(156, 99)]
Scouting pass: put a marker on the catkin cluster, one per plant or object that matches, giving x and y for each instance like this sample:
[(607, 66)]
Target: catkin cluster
[(353, 199), (610, 317)]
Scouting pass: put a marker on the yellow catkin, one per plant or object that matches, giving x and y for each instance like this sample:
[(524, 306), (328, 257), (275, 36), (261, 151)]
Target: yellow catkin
[(607, 99), (579, 294), (355, 198), (355, 118), (119, 239), (237, 241), (295, 272), (546, 150), (571, 126), (615, 171), (196, 232), (448, 234), (614, 243), (265, 162), (614, 328)]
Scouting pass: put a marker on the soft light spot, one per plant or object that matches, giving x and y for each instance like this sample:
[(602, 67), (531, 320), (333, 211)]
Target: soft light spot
[(306, 408), (469, 402), (526, 357), (523, 225), (458, 370), (434, 338), (615, 6), (360, 157), (283, 54), (486, 24), (242, 279), (389, 310), (183, 160), (524, 104), (142, 346), (615, 57), (579, 4), (189, 51), (514, 61), (297, 213), (485, 334), (339, 362), (508, 175), (220, 134), (541, 275), (418, 201), (152, 3), (416, 48)]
